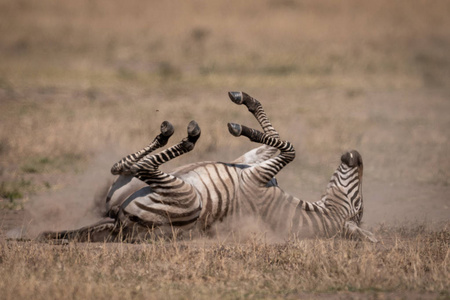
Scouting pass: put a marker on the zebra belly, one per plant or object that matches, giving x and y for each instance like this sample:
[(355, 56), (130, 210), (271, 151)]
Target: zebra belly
[(217, 185), (147, 209)]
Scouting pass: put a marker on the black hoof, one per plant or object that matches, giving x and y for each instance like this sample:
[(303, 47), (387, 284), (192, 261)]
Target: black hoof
[(236, 97), (193, 129), (235, 129), (167, 129)]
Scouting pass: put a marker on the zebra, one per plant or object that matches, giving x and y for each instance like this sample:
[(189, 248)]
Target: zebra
[(144, 201)]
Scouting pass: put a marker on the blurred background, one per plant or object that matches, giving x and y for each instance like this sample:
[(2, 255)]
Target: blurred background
[(84, 83)]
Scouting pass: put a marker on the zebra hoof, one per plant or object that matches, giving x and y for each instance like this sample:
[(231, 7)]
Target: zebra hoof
[(236, 97), (235, 129), (193, 131), (167, 129)]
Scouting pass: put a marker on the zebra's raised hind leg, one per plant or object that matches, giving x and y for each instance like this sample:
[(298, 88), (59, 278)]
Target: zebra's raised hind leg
[(125, 185), (169, 202), (123, 166)]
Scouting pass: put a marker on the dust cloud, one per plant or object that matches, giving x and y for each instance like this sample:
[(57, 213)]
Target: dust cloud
[(245, 229), (79, 203)]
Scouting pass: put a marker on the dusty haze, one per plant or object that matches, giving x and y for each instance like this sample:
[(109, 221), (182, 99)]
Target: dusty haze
[(83, 84)]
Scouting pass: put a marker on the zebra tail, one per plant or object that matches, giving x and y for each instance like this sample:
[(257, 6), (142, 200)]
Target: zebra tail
[(102, 231)]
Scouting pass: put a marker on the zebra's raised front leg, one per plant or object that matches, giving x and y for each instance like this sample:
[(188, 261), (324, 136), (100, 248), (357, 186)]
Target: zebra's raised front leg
[(255, 107), (263, 172), (123, 166), (168, 202), (264, 152)]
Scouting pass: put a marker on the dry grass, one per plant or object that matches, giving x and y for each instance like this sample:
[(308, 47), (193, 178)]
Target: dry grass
[(407, 260), (83, 83)]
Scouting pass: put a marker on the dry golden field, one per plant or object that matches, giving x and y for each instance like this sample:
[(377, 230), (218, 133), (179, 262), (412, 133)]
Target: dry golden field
[(414, 266), (83, 83)]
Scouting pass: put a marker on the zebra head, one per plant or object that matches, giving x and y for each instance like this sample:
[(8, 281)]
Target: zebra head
[(345, 187)]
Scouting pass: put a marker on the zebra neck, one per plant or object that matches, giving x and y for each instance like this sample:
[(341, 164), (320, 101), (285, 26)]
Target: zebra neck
[(323, 207), (317, 219), (335, 202)]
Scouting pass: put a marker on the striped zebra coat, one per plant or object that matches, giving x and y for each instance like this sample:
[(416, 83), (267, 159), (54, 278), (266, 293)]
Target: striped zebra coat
[(144, 201)]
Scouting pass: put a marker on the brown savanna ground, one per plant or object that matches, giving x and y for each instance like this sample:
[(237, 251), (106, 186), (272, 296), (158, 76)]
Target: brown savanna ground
[(83, 83)]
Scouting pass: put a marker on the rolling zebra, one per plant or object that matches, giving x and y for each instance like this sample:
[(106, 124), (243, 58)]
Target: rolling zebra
[(144, 201)]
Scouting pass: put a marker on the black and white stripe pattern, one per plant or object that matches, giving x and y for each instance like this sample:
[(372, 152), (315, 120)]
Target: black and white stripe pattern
[(144, 199), (167, 202), (341, 203)]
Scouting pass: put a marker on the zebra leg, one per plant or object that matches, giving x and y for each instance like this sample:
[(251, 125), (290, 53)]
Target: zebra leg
[(352, 230), (263, 172), (124, 165), (146, 168), (254, 106), (172, 203)]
